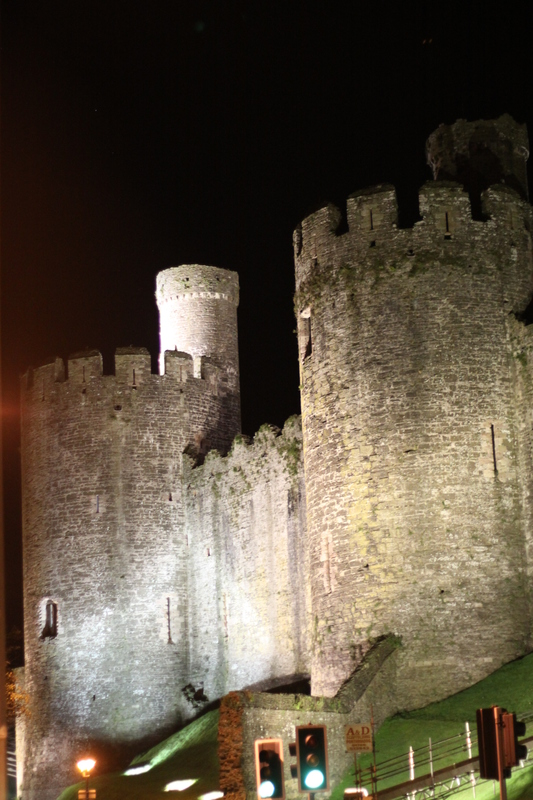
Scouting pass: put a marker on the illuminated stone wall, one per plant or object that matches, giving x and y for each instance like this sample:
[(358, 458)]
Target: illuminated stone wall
[(180, 573), (198, 315), (104, 540), (414, 439), (248, 565), (173, 582)]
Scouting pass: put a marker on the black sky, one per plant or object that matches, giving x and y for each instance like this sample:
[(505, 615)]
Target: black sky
[(140, 134)]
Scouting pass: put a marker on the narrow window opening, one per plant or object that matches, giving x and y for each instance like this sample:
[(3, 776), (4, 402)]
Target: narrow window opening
[(305, 331), (309, 345), (371, 220), (327, 569), (97, 503), (208, 551), (134, 385), (168, 622), (448, 234), (493, 449), (170, 497), (50, 621), (373, 243)]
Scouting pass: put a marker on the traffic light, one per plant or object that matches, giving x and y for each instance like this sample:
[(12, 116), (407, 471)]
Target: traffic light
[(499, 748), (312, 758), (513, 751), (487, 739), (269, 769)]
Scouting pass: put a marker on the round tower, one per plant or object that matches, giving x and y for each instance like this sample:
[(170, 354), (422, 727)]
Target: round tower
[(105, 575), (198, 315), (417, 459), (106, 554)]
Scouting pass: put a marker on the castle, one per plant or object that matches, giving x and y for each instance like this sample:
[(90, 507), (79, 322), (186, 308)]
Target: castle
[(167, 560)]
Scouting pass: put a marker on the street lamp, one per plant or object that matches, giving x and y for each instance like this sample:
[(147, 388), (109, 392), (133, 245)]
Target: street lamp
[(85, 766)]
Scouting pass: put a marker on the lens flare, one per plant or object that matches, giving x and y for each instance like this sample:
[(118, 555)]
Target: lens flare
[(180, 786)]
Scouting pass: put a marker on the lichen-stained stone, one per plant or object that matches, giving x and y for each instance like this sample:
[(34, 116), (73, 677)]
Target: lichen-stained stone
[(415, 381)]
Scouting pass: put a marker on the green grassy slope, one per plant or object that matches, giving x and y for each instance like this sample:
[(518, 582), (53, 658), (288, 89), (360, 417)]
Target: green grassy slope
[(192, 753), (510, 687)]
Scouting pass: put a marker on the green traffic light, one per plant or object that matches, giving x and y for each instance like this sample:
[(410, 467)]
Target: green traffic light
[(314, 779), (311, 751), (270, 774), (266, 789)]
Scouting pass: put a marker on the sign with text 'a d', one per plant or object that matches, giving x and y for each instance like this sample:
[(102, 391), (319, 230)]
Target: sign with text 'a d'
[(358, 738)]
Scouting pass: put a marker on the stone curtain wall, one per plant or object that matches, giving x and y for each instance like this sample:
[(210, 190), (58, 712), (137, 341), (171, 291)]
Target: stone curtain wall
[(407, 380), (248, 565)]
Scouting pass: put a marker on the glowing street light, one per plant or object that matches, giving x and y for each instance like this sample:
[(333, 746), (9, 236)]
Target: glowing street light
[(85, 765)]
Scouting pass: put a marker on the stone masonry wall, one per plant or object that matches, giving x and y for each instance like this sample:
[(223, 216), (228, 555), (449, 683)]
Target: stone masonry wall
[(263, 716), (248, 565), (412, 437), (104, 540)]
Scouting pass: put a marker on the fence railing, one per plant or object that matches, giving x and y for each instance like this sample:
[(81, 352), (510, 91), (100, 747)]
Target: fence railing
[(438, 769)]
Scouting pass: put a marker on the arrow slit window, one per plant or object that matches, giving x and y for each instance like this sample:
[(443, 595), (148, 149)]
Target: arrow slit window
[(50, 621)]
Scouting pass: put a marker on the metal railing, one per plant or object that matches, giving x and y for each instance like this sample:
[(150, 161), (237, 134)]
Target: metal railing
[(438, 769)]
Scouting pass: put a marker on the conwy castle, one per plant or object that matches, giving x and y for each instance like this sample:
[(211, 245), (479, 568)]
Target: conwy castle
[(380, 547)]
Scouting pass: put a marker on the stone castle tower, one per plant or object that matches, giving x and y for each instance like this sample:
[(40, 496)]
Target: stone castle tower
[(415, 416), (149, 557)]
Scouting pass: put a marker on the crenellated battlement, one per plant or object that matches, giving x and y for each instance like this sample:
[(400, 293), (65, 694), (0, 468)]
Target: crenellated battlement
[(372, 211), (132, 364), (196, 281), (372, 216), (133, 369), (270, 451)]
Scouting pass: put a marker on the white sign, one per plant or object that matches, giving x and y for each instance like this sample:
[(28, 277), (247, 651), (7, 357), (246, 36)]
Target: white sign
[(358, 738)]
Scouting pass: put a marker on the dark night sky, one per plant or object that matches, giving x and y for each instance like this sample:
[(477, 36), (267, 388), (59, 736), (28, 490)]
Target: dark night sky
[(140, 134)]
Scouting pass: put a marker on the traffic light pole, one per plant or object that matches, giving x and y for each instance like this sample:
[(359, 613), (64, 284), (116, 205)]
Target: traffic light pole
[(499, 744)]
